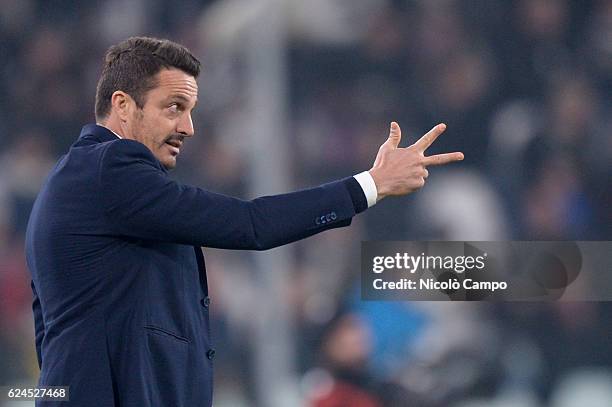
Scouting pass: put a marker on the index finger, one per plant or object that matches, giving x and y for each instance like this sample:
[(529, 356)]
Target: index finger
[(441, 159), (424, 142)]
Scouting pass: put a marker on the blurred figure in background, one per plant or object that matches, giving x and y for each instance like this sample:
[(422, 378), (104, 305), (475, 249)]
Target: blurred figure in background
[(345, 351)]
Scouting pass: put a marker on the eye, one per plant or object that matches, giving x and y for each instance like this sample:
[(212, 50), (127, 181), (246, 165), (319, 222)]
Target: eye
[(174, 107)]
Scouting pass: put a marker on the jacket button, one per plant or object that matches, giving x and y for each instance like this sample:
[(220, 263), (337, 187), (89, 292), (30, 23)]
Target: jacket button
[(210, 354), (205, 302), (334, 216)]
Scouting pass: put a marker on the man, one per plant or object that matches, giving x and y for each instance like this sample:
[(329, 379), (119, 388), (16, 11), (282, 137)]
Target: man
[(114, 245)]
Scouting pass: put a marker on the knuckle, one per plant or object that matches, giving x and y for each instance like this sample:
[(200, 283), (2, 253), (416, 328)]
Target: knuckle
[(416, 156)]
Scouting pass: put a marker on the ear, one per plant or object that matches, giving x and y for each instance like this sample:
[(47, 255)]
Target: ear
[(122, 104)]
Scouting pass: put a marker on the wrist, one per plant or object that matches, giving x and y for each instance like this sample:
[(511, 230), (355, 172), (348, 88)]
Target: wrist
[(378, 183)]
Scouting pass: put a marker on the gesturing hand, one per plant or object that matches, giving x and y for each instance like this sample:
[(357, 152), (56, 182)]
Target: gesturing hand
[(400, 171)]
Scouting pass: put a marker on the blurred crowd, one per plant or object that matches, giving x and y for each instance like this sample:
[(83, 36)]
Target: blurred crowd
[(525, 88)]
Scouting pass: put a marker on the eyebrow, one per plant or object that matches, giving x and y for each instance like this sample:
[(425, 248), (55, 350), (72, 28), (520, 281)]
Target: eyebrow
[(183, 98)]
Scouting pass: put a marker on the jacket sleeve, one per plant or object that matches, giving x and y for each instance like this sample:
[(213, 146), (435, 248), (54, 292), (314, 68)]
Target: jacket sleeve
[(39, 325), (141, 201)]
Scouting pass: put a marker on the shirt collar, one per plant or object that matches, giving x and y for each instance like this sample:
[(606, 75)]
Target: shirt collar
[(97, 132), (110, 130)]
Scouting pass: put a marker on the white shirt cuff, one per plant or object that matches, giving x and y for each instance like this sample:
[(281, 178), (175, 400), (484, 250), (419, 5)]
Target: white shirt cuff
[(369, 187)]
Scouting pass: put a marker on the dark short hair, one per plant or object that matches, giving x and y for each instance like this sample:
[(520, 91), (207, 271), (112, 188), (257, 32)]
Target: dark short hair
[(131, 66)]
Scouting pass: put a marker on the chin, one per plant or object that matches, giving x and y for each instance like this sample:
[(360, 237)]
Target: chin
[(169, 164)]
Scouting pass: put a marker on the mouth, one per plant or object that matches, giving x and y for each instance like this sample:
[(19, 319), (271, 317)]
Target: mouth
[(175, 146)]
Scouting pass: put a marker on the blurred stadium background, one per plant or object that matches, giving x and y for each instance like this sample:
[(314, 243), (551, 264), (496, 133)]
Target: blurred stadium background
[(295, 93)]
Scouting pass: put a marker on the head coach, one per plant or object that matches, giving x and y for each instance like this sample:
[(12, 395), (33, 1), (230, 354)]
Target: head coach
[(114, 244)]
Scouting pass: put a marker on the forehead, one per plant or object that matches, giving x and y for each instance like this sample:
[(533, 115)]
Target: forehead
[(174, 82)]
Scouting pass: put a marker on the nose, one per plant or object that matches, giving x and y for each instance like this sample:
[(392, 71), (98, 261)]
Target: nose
[(185, 126)]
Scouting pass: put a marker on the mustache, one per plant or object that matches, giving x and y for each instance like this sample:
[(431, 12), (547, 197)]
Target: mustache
[(177, 137)]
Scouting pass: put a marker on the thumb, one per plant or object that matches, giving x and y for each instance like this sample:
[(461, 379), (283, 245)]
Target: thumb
[(395, 135)]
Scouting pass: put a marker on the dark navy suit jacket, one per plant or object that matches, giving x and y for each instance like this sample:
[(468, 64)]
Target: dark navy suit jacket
[(120, 294)]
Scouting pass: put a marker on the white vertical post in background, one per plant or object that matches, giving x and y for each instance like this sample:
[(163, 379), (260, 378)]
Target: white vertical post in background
[(252, 34), (267, 98)]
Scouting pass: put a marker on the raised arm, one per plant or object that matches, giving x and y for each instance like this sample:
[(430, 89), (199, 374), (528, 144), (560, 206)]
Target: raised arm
[(141, 201)]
